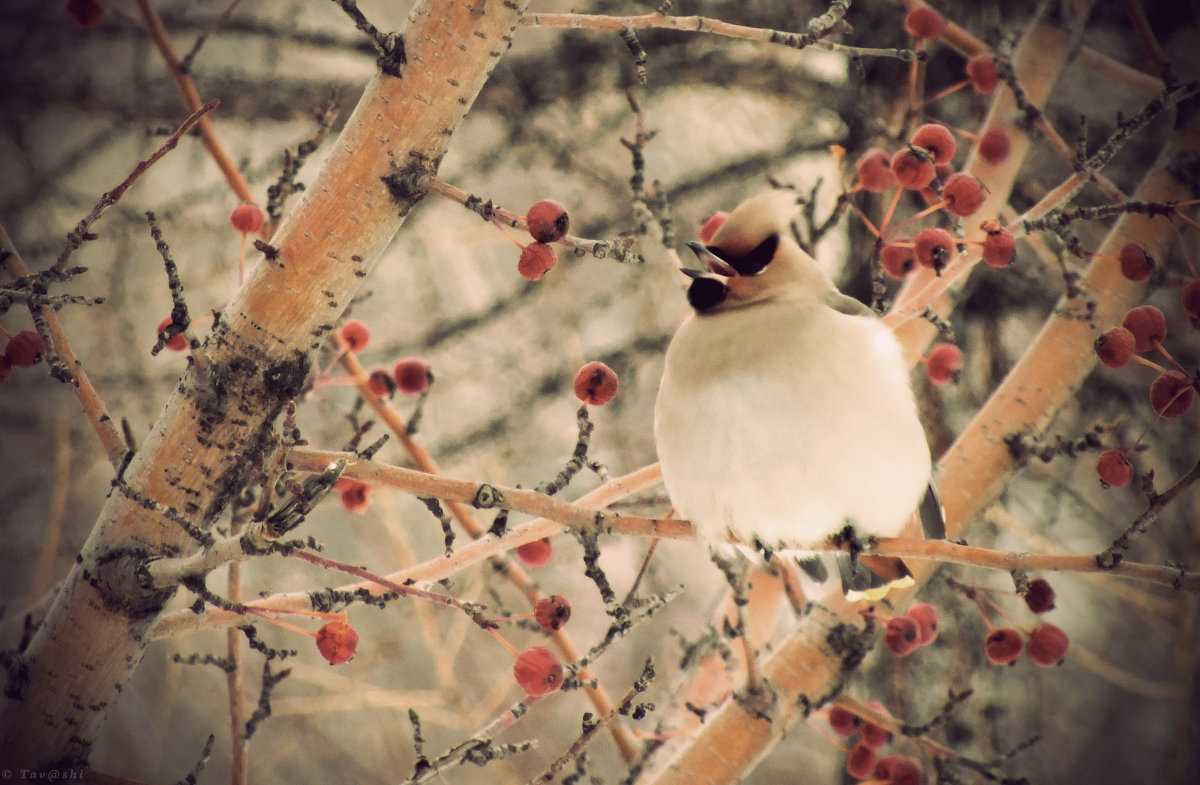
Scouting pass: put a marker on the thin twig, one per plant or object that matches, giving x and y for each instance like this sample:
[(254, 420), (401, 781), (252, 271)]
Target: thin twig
[(703, 24), (600, 249), (80, 233), (1113, 555), (589, 733), (185, 64), (89, 398), (191, 99)]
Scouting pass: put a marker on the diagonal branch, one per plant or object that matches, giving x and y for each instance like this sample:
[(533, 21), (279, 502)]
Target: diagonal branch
[(218, 425)]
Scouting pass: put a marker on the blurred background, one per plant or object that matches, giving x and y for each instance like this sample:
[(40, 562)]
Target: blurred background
[(79, 107)]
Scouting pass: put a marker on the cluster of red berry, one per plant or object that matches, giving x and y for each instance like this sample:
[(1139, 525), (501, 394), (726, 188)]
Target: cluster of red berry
[(22, 351), (547, 222), (911, 630), (1047, 643), (410, 375), (862, 760), (1143, 330), (537, 669), (923, 165)]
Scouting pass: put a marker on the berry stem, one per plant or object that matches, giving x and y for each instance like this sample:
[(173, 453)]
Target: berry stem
[(1158, 345), (333, 381), (829, 737), (512, 649), (1149, 363), (280, 622), (887, 217), (507, 233), (863, 217), (933, 208), (954, 88)]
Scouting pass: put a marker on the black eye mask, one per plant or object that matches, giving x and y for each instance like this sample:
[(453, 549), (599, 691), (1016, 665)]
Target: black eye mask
[(754, 261)]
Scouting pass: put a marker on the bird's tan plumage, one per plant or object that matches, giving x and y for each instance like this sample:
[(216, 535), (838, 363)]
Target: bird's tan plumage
[(785, 410)]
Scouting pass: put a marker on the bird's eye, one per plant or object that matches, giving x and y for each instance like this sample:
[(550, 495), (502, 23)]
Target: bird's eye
[(758, 257), (706, 293)]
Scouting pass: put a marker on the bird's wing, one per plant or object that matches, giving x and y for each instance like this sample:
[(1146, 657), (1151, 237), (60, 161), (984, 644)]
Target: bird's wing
[(933, 515), (845, 304)]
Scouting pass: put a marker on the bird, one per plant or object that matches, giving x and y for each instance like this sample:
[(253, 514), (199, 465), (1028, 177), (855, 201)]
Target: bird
[(785, 412)]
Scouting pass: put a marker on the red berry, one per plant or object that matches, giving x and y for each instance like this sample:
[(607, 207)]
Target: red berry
[(177, 342), (1047, 645), (937, 139), (248, 218), (913, 170), (552, 612), (902, 635), (86, 13), (924, 22), (897, 260), (5, 368), (1190, 299), (843, 722), (861, 760), (536, 260), (927, 618), (981, 70), (874, 171), (965, 193), (933, 247), (1136, 264), (1171, 394), (536, 553), (899, 770), (943, 363), (1114, 468), (1148, 325), (596, 383), (1115, 347), (24, 349), (1040, 596), (874, 735), (538, 671), (355, 495), (994, 145), (999, 248), (710, 227), (1003, 645), (548, 221), (412, 375), (380, 383), (356, 334), (337, 641)]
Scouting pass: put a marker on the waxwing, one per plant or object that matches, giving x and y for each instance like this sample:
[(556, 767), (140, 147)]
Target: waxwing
[(785, 412)]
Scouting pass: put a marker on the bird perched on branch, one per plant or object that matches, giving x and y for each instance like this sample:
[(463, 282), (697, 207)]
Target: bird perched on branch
[(785, 412)]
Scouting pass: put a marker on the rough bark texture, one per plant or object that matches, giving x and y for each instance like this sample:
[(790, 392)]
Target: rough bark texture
[(220, 420)]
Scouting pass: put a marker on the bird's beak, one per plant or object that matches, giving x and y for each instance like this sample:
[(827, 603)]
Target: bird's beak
[(714, 263)]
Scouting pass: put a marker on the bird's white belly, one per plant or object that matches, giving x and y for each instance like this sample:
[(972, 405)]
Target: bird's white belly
[(763, 439)]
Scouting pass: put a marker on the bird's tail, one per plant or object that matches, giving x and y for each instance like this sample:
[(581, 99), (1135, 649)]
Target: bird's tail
[(872, 577)]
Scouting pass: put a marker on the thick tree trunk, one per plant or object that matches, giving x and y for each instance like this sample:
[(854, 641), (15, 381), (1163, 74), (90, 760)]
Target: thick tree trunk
[(220, 420)]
